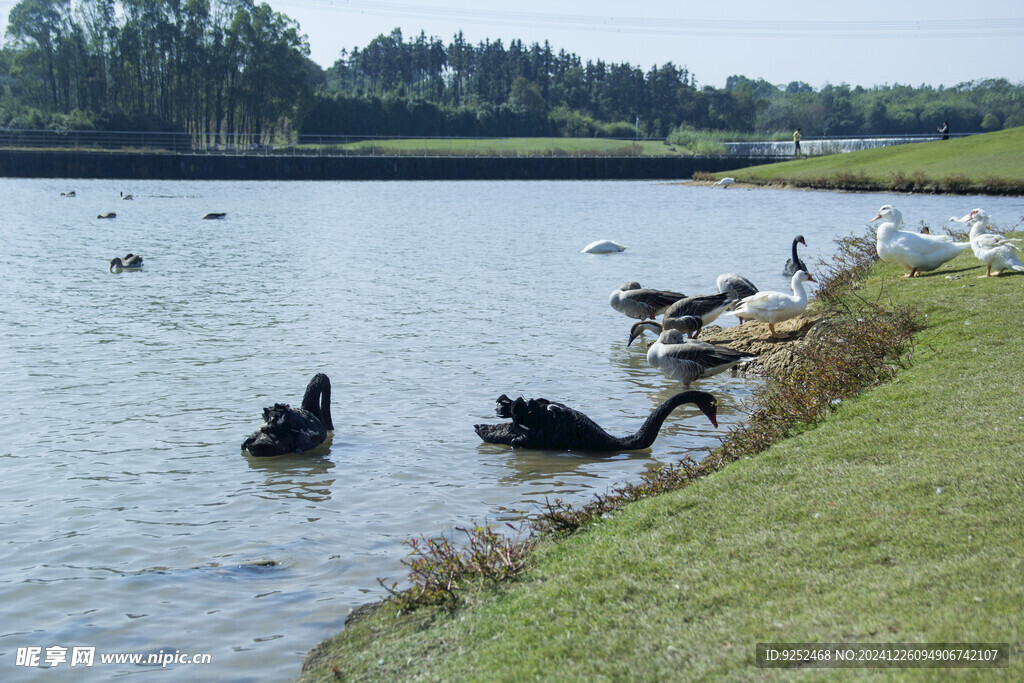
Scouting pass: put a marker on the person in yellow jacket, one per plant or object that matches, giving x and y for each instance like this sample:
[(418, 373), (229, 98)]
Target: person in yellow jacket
[(797, 137)]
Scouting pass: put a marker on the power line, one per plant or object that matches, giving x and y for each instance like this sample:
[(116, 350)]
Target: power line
[(723, 28)]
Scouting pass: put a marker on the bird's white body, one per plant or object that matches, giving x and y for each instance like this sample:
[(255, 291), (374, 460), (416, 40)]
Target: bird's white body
[(602, 247), (911, 250), (997, 252), (726, 182), (776, 307)]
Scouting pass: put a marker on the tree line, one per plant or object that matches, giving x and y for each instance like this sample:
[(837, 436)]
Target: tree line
[(234, 66)]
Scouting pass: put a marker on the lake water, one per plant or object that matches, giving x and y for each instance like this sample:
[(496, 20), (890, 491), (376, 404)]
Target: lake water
[(132, 523)]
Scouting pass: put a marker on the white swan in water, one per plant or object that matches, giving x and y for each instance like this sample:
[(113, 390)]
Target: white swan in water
[(775, 307), (637, 302), (602, 247), (686, 360), (912, 250), (995, 251)]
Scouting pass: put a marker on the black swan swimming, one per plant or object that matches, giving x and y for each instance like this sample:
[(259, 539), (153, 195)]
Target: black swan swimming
[(294, 430), (129, 262), (108, 214), (214, 215), (545, 425), (794, 263)]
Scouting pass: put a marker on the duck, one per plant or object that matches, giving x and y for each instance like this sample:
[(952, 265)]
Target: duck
[(966, 218), (775, 307), (127, 196), (690, 314), (725, 182), (129, 262), (603, 247), (70, 193), (995, 251), (538, 423), (214, 215), (294, 430), (686, 360), (794, 263), (108, 214), (634, 301), (913, 251)]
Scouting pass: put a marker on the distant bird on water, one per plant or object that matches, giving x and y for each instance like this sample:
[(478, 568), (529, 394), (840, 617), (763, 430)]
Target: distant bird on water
[(214, 216), (108, 214), (129, 262), (602, 247)]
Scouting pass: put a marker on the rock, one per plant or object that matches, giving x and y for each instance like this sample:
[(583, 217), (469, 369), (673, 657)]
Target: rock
[(775, 356)]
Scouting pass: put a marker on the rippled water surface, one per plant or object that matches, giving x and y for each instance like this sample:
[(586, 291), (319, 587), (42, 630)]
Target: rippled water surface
[(129, 519)]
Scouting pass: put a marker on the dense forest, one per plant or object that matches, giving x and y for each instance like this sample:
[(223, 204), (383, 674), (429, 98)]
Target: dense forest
[(234, 66)]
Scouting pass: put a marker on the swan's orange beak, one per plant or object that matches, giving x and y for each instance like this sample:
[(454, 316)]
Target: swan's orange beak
[(877, 216), (810, 278)]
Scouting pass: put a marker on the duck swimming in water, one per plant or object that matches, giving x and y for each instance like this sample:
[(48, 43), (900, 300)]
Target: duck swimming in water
[(129, 262), (294, 430)]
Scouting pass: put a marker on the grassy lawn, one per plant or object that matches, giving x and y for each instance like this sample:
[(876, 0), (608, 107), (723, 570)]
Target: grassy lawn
[(993, 162), (898, 519)]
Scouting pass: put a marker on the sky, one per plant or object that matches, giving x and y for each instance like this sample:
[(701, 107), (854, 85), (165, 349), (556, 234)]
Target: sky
[(864, 42)]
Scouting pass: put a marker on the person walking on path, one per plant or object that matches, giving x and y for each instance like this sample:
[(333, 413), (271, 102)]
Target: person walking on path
[(797, 137)]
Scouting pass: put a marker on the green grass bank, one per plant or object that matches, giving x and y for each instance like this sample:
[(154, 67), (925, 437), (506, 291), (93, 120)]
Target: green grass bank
[(897, 519), (992, 163)]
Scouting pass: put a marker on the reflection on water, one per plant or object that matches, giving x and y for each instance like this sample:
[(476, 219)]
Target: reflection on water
[(296, 476), (131, 520)]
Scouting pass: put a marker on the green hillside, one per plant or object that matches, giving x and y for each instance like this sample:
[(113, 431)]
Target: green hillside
[(992, 163)]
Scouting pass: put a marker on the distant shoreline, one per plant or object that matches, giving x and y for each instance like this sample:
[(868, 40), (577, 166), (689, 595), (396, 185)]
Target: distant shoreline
[(164, 166)]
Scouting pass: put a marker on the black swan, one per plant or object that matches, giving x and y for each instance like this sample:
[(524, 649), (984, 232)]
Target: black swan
[(633, 300), (108, 214), (214, 215), (794, 263), (545, 425), (129, 262), (294, 430)]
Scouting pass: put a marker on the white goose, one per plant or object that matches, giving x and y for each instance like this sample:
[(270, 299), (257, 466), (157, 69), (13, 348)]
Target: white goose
[(912, 250), (683, 359), (995, 251), (636, 302), (775, 307), (726, 182)]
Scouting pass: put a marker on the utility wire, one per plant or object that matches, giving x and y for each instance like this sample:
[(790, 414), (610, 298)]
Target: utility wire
[(724, 28)]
